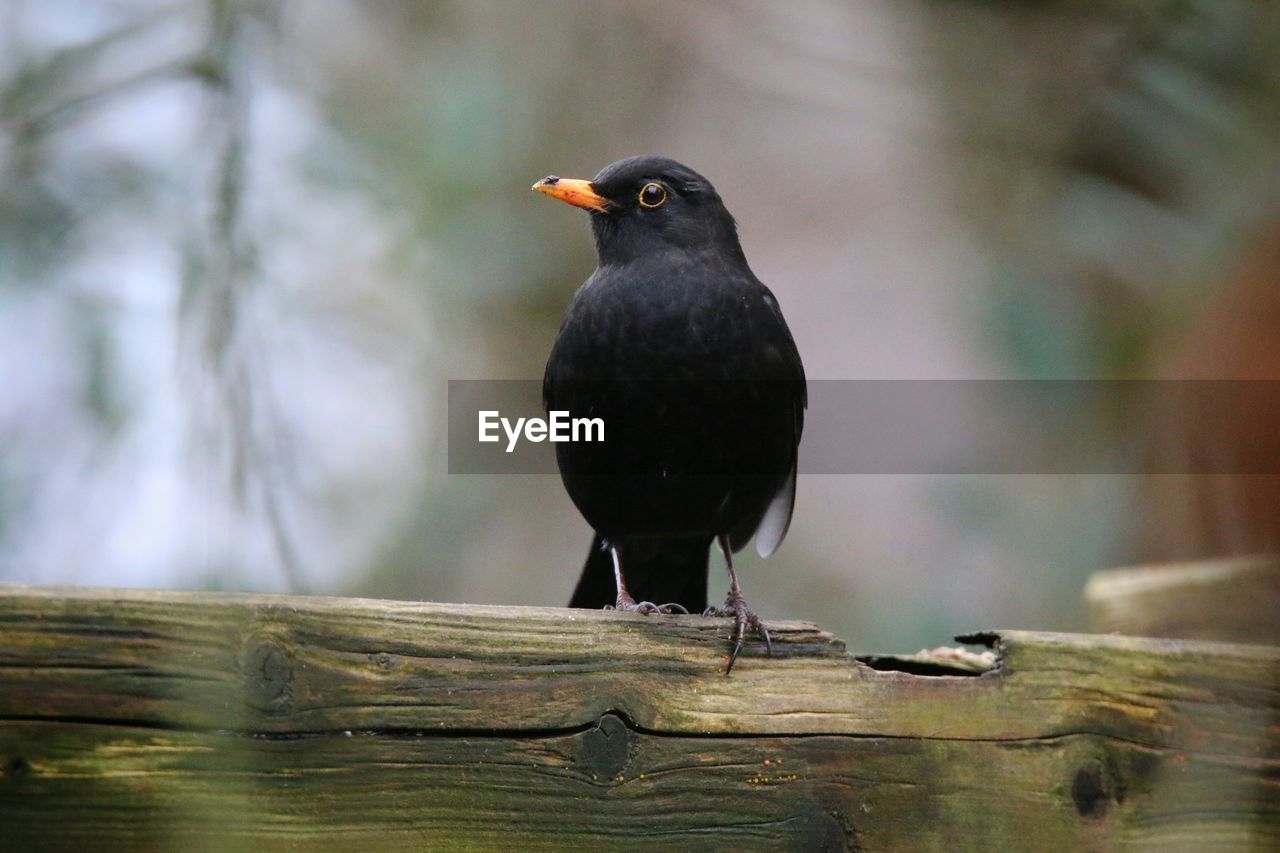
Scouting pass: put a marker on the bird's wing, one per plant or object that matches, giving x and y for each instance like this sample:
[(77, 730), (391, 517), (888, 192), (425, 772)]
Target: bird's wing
[(795, 367), (772, 526)]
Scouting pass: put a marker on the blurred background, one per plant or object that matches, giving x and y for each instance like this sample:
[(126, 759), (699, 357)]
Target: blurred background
[(244, 245)]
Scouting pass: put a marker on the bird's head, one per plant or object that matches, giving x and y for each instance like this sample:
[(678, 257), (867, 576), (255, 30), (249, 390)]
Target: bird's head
[(646, 205)]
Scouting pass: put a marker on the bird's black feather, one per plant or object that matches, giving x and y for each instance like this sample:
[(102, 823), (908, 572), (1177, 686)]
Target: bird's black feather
[(685, 355)]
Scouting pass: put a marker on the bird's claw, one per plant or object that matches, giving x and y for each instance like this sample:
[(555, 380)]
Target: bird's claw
[(735, 607), (647, 608)]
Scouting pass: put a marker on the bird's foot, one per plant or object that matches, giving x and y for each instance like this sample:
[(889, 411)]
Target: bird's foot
[(735, 606), (627, 604)]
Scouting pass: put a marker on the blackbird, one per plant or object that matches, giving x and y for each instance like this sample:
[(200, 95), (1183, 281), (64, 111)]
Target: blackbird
[(682, 352)]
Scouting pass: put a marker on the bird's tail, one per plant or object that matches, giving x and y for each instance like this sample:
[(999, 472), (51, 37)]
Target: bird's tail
[(670, 571)]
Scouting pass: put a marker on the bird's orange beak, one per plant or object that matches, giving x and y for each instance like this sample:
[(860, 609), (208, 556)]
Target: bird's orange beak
[(573, 191)]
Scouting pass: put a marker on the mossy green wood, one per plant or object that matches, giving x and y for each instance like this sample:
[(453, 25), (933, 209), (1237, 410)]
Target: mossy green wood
[(153, 720)]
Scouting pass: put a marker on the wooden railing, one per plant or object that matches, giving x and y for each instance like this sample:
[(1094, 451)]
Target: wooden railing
[(171, 720)]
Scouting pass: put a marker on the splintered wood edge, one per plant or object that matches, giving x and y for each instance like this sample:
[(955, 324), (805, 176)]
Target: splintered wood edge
[(283, 665)]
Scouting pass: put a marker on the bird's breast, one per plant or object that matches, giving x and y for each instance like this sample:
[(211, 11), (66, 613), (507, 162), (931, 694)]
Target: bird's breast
[(647, 324)]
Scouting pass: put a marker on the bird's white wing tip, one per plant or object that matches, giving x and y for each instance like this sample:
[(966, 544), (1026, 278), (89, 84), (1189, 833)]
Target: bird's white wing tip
[(777, 518)]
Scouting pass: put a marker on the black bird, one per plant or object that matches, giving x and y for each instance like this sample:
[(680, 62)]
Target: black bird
[(684, 354)]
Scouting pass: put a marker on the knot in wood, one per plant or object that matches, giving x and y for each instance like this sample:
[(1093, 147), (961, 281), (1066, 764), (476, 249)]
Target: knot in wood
[(268, 674), (1094, 788), (605, 751), (16, 768)]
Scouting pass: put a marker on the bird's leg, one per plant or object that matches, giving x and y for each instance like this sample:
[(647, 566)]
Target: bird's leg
[(625, 602), (735, 605)]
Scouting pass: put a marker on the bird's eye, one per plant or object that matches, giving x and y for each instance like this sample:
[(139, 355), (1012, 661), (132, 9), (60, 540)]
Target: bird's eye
[(652, 195)]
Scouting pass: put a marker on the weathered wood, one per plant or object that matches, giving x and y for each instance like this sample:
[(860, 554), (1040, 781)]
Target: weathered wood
[(1235, 599), (149, 720)]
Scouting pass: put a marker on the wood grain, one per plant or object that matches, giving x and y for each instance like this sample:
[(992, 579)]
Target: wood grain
[(169, 720)]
